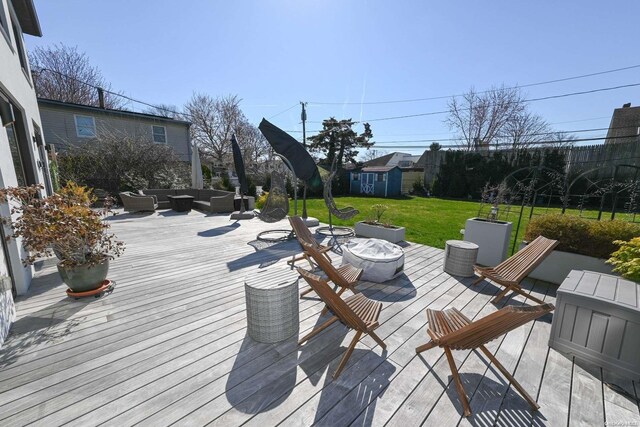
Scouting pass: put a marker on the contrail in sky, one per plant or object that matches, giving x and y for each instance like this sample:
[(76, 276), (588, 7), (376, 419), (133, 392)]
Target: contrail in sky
[(364, 90)]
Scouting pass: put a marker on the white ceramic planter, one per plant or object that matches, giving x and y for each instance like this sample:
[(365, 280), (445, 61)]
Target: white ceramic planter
[(558, 264), (492, 239), (393, 235)]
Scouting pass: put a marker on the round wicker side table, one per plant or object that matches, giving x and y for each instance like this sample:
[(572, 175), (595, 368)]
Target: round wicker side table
[(272, 310), (459, 257)]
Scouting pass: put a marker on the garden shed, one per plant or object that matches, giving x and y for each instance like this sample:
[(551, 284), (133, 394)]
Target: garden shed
[(381, 181)]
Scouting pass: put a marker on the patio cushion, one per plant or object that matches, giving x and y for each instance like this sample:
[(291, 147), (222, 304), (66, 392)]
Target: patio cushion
[(160, 193), (188, 192)]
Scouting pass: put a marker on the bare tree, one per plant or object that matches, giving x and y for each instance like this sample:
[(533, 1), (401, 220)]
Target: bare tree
[(373, 154), (480, 118), (253, 144), (561, 139), (213, 122), (525, 129), (64, 74), (164, 110)]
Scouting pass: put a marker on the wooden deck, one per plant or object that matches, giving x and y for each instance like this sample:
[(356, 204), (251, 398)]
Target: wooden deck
[(169, 346)]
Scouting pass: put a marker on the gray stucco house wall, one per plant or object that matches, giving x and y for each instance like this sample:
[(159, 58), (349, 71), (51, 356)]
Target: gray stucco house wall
[(67, 124)]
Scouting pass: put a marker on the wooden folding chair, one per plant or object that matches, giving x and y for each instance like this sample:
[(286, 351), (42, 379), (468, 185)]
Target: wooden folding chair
[(450, 329), (356, 312), (510, 272), (345, 277), (303, 234)]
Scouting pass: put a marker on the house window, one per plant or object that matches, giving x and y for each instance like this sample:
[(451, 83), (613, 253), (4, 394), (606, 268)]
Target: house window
[(4, 26), (356, 176), (159, 134), (20, 46), (15, 155), (85, 127), (381, 177)]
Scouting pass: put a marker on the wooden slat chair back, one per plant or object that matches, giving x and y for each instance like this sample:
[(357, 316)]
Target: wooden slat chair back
[(337, 306), (303, 234), (452, 330), (357, 312), (516, 268), (346, 276)]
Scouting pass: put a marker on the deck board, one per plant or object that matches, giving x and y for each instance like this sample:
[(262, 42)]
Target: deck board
[(170, 345)]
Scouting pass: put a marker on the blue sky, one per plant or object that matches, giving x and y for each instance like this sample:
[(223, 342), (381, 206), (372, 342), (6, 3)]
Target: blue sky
[(275, 53)]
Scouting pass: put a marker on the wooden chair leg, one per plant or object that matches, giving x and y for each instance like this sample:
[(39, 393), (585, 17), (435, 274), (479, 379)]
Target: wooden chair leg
[(347, 355), (377, 339), (458, 382), (512, 380), (425, 347), (501, 295), (526, 295), (480, 279), (317, 330), (306, 291)]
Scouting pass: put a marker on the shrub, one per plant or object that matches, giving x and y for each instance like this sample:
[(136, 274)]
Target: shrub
[(581, 236), (418, 187), (626, 260), (262, 199)]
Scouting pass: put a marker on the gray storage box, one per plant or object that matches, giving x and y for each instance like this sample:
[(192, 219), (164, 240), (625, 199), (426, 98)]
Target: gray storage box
[(597, 319)]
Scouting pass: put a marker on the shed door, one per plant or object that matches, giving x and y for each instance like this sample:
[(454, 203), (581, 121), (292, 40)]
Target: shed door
[(367, 180)]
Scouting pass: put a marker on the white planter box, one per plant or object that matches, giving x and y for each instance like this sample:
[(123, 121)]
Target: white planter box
[(558, 264), (492, 239), (393, 235)]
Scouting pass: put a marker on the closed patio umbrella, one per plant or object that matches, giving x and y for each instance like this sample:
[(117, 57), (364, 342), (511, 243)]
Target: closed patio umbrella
[(196, 170), (286, 145)]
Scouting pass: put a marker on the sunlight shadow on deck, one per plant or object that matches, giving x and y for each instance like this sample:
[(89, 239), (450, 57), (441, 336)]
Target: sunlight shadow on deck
[(274, 384), (266, 254), (219, 231)]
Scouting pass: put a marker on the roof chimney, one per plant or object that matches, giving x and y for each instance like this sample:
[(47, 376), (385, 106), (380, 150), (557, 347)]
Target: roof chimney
[(627, 105)]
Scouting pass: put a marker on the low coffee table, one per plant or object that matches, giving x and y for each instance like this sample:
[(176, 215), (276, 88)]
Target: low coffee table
[(181, 203), (381, 260)]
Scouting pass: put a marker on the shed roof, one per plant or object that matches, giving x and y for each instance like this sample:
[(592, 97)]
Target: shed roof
[(378, 168)]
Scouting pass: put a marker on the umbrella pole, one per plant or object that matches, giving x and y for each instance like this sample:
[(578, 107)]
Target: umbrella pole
[(304, 202)]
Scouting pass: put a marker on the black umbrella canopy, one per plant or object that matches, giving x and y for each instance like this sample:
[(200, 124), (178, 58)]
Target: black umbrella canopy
[(284, 144), (239, 165)]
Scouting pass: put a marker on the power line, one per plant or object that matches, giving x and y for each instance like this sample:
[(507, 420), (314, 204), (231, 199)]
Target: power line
[(282, 112), (507, 144), (432, 113), (486, 91)]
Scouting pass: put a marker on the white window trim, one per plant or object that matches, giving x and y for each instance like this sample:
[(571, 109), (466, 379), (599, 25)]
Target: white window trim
[(166, 140), (93, 120)]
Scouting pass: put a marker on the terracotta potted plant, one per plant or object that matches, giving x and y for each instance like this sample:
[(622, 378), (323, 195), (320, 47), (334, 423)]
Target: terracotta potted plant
[(65, 225), (376, 228)]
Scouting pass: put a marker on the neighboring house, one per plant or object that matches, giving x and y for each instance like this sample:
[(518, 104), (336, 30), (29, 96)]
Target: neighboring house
[(23, 159), (412, 169), (381, 181), (65, 124), (403, 160), (625, 125)]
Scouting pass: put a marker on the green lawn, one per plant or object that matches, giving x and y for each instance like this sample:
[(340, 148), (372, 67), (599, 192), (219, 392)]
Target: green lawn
[(429, 221)]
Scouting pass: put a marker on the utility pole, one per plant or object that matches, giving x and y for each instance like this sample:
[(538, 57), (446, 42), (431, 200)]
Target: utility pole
[(303, 116)]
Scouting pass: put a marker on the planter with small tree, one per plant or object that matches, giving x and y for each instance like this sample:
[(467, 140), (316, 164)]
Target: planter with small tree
[(375, 228), (64, 224)]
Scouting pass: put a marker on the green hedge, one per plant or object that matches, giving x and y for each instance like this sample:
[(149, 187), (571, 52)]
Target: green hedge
[(582, 236)]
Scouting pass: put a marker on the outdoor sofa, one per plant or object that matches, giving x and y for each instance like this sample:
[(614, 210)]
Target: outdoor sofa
[(215, 201), (137, 203)]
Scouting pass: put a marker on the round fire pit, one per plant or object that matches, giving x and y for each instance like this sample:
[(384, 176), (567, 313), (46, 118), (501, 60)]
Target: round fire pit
[(380, 260)]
